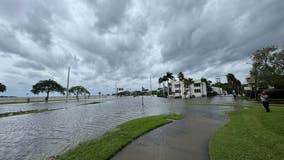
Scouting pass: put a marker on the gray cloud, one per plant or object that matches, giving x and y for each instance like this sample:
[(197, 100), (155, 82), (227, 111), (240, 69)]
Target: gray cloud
[(109, 13), (29, 65), (129, 40), (9, 42), (229, 32)]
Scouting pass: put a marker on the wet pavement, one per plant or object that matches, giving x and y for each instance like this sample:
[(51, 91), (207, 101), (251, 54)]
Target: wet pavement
[(186, 139), (41, 135)]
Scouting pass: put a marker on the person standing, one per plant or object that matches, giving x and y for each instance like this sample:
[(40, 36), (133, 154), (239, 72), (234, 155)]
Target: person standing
[(264, 100), (234, 93)]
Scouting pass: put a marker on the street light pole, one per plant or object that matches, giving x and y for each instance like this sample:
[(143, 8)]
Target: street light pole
[(67, 88), (142, 96)]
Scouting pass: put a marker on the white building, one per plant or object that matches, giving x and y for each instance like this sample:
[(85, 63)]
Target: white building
[(197, 89), (177, 88), (218, 90)]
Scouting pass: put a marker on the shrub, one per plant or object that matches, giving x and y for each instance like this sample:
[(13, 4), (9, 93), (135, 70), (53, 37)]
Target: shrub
[(276, 93)]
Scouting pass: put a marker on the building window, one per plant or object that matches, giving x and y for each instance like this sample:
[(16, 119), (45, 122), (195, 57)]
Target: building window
[(177, 91), (177, 85), (196, 84), (197, 90)]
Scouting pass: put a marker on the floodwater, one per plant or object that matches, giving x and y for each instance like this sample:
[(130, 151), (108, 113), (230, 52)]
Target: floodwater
[(41, 135), (4, 108)]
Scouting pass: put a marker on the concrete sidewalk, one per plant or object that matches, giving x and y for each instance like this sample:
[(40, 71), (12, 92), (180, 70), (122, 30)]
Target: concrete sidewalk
[(186, 139)]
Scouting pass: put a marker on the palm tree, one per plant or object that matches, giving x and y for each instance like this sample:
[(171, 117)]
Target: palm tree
[(187, 82), (238, 85), (161, 80), (232, 80), (169, 76), (181, 79), (180, 76)]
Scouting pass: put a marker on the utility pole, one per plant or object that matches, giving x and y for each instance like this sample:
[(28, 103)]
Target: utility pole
[(67, 88), (218, 79), (142, 97), (116, 89), (151, 85)]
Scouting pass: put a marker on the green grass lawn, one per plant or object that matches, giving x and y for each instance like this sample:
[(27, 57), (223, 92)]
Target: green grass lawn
[(251, 134), (105, 147)]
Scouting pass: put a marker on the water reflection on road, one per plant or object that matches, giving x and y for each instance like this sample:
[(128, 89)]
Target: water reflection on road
[(38, 136)]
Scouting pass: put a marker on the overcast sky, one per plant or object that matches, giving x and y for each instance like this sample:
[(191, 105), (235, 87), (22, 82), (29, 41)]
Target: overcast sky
[(104, 41)]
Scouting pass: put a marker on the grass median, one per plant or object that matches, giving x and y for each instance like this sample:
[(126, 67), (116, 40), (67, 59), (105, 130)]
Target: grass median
[(109, 144), (251, 134), (7, 114), (95, 102)]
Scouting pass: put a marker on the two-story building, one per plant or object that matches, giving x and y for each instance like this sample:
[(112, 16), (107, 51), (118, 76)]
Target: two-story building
[(197, 89)]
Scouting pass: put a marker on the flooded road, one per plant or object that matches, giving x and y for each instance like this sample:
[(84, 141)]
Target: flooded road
[(41, 135), (4, 108)]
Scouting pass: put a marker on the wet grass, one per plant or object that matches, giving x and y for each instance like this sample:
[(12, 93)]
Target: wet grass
[(13, 102), (251, 134), (7, 114), (90, 103), (234, 104), (109, 144), (217, 104), (32, 100)]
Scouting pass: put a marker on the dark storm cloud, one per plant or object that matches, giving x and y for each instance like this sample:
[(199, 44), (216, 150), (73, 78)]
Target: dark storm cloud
[(32, 17), (221, 32), (8, 41), (128, 40), (26, 31)]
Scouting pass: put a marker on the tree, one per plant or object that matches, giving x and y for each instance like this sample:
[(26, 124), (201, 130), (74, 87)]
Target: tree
[(234, 82), (268, 67), (47, 86), (180, 76), (187, 82), (2, 87), (208, 85), (78, 90), (181, 79), (169, 76), (161, 80)]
